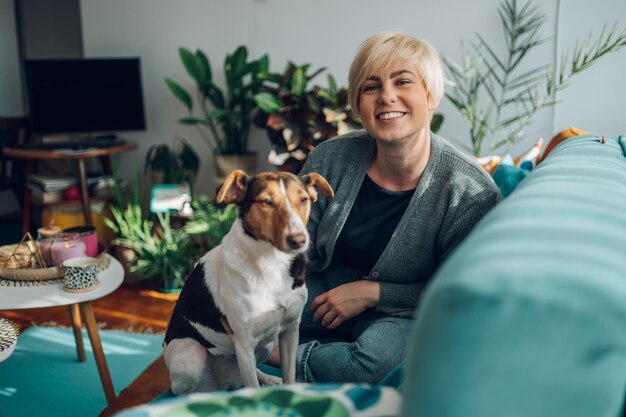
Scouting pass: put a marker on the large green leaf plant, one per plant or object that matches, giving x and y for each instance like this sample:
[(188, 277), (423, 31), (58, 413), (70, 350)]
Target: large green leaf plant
[(223, 116)]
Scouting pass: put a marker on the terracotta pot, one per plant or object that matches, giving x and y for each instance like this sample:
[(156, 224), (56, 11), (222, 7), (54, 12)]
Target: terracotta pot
[(225, 164), (128, 258)]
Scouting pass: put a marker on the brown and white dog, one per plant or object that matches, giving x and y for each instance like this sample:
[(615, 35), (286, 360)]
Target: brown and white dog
[(247, 294)]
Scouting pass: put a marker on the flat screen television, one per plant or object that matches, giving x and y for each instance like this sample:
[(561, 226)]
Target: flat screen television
[(84, 95)]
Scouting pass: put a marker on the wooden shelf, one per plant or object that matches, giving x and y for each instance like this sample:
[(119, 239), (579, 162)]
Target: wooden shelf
[(69, 203)]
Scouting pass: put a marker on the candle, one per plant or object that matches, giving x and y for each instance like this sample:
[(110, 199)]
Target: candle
[(66, 246), (44, 247), (88, 235)]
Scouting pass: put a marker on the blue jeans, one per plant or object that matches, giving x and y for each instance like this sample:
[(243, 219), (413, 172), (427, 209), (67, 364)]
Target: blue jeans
[(363, 349)]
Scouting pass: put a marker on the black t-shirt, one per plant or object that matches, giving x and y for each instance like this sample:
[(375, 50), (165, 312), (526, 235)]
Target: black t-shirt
[(374, 216)]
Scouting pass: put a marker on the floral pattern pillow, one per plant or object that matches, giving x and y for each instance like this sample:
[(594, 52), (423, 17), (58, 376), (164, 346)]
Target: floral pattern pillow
[(297, 400)]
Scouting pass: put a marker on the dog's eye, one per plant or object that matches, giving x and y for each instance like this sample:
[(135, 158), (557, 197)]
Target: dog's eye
[(267, 202), (304, 199)]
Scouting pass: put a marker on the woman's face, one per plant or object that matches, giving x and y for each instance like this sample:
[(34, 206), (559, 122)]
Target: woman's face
[(394, 104)]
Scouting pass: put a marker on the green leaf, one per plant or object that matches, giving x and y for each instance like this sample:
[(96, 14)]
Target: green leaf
[(268, 102), (324, 95), (180, 93), (193, 65), (238, 60), (261, 65), (219, 114), (215, 95), (271, 77), (332, 85), (204, 63), (298, 82), (436, 122)]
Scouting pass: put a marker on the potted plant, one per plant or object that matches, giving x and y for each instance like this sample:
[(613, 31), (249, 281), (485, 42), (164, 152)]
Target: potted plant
[(497, 95), (172, 164), (127, 220), (298, 117), (223, 117), (163, 253)]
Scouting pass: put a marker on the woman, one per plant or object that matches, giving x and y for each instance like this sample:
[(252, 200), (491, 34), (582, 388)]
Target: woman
[(404, 199)]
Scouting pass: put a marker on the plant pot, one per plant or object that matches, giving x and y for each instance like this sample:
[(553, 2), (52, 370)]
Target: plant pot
[(225, 164), (128, 258)]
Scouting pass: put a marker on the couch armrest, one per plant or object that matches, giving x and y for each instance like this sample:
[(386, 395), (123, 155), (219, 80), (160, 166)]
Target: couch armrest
[(528, 316)]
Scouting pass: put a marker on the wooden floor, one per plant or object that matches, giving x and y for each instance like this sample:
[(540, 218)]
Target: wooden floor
[(134, 308)]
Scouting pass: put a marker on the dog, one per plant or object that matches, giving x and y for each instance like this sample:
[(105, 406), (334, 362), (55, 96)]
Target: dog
[(247, 294)]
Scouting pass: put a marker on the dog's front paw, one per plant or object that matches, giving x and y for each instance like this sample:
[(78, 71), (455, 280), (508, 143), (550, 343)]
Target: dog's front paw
[(265, 379)]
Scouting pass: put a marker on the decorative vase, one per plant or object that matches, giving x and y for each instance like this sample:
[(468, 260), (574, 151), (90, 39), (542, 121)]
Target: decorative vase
[(225, 164)]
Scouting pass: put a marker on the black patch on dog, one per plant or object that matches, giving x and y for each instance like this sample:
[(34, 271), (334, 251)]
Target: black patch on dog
[(196, 304), (296, 270)]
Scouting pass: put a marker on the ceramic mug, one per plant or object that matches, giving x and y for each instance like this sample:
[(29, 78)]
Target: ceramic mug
[(80, 274)]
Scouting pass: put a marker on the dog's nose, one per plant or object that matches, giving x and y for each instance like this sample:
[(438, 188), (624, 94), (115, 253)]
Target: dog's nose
[(296, 240)]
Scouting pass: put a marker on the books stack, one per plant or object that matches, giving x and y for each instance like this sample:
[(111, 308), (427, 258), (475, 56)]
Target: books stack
[(48, 189)]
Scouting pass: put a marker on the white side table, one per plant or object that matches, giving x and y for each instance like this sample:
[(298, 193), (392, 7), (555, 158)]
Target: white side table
[(20, 297)]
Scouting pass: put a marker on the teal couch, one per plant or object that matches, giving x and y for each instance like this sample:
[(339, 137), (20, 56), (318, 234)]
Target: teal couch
[(526, 318)]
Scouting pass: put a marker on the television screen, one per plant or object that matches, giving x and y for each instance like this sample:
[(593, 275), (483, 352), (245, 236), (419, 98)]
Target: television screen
[(84, 95)]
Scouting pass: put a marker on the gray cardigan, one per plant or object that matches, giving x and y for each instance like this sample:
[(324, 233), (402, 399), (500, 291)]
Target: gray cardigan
[(451, 197)]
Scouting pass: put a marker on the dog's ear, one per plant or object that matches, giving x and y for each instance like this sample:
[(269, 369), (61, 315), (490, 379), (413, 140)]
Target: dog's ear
[(315, 182), (234, 188)]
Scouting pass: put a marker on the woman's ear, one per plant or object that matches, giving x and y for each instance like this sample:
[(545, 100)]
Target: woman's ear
[(432, 104)]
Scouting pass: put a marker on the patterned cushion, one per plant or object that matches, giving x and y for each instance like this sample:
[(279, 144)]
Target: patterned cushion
[(528, 316), (297, 400)]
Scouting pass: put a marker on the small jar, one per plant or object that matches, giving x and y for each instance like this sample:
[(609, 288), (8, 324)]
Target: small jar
[(48, 232), (45, 237), (67, 246), (89, 237)]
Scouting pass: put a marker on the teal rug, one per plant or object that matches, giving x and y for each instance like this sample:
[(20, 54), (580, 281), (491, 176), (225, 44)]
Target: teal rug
[(44, 378)]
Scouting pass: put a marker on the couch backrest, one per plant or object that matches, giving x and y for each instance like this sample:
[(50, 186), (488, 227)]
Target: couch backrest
[(528, 316)]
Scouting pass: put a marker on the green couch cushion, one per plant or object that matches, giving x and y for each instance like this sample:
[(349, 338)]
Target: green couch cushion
[(528, 316)]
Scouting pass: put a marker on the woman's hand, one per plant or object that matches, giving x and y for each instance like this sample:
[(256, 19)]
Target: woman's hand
[(344, 302)]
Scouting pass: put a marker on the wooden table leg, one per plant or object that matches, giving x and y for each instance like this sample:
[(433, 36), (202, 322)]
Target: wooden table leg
[(98, 353), (84, 192), (78, 335), (26, 207)]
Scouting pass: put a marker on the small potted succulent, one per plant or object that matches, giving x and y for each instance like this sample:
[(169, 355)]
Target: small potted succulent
[(172, 164)]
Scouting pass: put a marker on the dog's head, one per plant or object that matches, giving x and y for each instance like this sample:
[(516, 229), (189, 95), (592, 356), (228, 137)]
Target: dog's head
[(275, 206)]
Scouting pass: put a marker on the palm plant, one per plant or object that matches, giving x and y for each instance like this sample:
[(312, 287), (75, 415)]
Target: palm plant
[(210, 222), (162, 254), (496, 95)]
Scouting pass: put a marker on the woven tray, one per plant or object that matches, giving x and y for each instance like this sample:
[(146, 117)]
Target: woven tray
[(40, 274)]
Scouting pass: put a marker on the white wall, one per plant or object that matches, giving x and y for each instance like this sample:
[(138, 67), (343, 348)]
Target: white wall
[(595, 100), (326, 33)]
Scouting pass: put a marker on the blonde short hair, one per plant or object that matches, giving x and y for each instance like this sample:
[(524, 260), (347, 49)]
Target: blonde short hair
[(385, 48)]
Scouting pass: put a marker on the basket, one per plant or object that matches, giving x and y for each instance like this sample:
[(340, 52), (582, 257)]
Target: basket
[(42, 274)]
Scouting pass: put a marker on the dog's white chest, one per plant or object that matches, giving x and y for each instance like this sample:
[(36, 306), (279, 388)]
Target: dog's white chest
[(256, 297)]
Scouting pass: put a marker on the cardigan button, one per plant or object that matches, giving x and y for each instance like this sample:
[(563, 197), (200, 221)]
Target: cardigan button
[(375, 274)]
